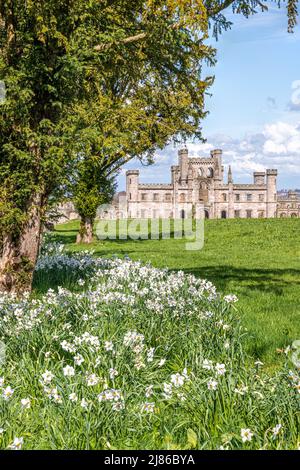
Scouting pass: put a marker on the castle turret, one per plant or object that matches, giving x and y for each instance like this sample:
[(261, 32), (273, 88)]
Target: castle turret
[(271, 193), (259, 177), (132, 185), (217, 157), (132, 193), (230, 179), (173, 173), (183, 160)]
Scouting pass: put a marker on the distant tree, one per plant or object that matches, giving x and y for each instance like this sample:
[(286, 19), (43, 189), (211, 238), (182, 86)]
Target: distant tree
[(92, 187), (55, 55)]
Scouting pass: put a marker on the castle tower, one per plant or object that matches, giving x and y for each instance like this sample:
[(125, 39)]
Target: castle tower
[(132, 192), (271, 193), (259, 177), (217, 157), (183, 160)]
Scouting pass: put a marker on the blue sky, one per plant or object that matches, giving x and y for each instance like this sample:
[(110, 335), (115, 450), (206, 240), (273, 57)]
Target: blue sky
[(255, 103)]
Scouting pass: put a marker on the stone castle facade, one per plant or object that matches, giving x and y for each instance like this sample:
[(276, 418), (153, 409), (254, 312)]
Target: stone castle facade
[(198, 189), (289, 205)]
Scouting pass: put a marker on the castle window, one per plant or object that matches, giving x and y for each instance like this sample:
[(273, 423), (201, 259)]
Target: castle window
[(182, 197), (144, 197), (275, 197), (261, 197), (249, 214), (200, 172), (249, 197), (237, 214), (224, 197), (168, 197), (210, 173), (155, 197), (237, 197), (129, 195)]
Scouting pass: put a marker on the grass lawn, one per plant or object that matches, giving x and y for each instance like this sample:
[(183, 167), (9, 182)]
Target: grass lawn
[(258, 260)]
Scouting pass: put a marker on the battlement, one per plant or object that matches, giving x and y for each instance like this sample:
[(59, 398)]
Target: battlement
[(201, 161), (184, 151), (132, 172), (155, 186), (216, 152), (272, 172)]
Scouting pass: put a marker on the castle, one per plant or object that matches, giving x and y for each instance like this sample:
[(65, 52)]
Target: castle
[(198, 189)]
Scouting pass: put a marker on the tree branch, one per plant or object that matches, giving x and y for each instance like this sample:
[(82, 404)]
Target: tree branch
[(219, 8), (128, 40)]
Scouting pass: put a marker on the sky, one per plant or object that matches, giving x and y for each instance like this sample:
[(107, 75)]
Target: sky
[(254, 108)]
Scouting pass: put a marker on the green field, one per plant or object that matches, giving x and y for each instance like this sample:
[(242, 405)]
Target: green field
[(258, 260)]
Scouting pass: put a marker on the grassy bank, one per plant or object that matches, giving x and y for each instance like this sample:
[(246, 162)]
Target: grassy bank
[(258, 260)]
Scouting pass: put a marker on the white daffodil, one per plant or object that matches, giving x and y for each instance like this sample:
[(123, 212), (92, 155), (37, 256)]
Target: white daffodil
[(148, 407), (47, 376), (177, 380), (69, 371), (7, 393), (276, 430), (246, 435), (220, 369), (26, 403), (17, 443), (212, 384)]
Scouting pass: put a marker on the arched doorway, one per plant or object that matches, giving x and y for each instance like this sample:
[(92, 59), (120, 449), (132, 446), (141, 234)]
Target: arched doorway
[(223, 215), (182, 214), (206, 214), (293, 215)]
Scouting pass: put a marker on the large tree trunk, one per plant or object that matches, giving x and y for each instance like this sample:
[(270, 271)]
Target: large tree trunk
[(85, 234), (20, 251)]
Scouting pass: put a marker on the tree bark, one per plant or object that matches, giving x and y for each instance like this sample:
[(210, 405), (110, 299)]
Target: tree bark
[(85, 234), (20, 251)]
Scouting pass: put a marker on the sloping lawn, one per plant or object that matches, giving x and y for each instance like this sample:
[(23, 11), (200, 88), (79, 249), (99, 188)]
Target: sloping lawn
[(258, 260)]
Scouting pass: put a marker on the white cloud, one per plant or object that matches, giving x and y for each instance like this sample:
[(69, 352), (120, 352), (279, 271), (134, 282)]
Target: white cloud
[(282, 138), (276, 146), (294, 104)]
